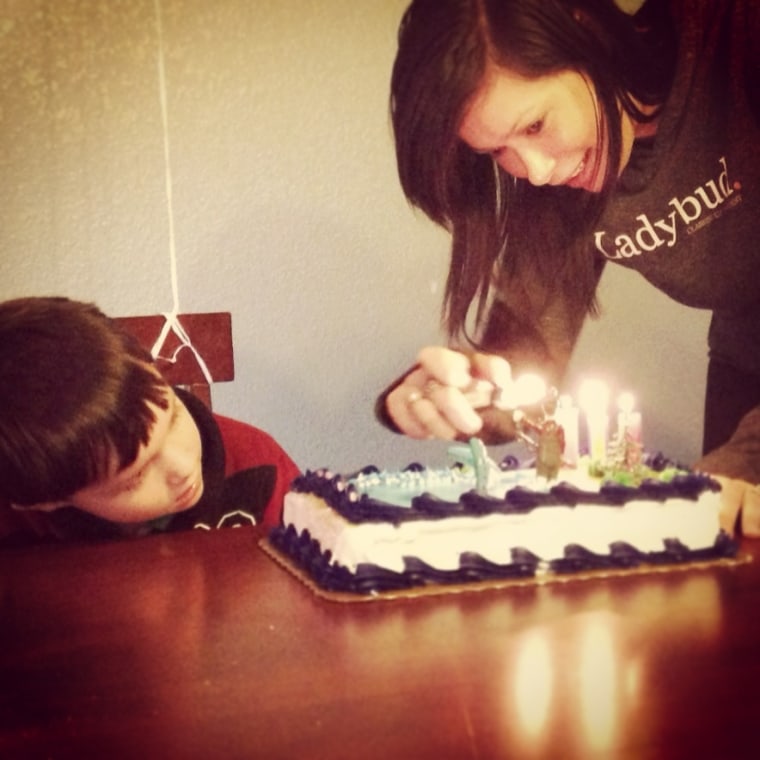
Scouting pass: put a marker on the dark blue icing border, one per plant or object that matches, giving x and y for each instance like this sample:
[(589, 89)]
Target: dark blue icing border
[(357, 507), (344, 498), (371, 579)]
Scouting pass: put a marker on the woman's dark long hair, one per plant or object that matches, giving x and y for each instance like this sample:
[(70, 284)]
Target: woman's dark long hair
[(499, 223)]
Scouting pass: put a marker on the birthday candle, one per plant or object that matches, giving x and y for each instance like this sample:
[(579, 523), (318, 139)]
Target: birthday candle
[(594, 398)]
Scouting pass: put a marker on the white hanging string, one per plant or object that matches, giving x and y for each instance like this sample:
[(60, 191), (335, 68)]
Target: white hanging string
[(171, 323)]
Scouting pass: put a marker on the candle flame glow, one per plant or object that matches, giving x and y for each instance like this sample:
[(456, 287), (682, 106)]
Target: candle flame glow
[(593, 396), (528, 389), (626, 402)]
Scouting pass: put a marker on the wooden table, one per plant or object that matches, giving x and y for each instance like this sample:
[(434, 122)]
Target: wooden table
[(198, 645)]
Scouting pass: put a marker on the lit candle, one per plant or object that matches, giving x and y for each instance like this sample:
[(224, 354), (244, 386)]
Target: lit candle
[(594, 397), (567, 417)]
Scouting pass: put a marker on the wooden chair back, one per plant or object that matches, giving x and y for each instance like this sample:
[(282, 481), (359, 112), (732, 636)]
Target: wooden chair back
[(209, 334)]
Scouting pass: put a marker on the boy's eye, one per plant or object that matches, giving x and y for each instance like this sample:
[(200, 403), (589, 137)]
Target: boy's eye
[(135, 480)]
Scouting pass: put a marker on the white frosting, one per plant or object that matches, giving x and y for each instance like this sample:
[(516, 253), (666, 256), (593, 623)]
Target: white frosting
[(544, 531)]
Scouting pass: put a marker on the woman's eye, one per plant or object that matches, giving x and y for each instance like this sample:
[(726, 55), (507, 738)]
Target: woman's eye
[(535, 127)]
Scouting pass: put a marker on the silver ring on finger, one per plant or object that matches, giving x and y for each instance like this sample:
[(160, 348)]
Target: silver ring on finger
[(414, 397)]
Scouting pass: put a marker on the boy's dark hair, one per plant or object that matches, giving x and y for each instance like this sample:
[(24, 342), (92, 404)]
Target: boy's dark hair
[(75, 395)]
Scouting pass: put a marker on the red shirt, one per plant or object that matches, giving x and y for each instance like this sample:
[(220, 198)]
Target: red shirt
[(246, 446)]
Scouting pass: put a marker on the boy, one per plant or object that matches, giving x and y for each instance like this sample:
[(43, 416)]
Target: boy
[(95, 445)]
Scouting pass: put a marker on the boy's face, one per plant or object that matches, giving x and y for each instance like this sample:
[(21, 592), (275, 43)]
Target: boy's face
[(166, 477)]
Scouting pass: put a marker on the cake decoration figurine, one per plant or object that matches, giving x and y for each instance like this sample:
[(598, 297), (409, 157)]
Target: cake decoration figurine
[(475, 454), (627, 445), (483, 464), (549, 443), (567, 416)]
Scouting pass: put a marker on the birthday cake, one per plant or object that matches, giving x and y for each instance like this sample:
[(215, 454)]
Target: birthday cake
[(378, 531), (478, 523)]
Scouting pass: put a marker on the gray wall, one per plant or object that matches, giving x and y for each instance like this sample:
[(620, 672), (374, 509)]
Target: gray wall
[(285, 205)]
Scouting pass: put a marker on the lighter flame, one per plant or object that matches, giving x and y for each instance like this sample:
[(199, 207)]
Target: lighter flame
[(528, 389)]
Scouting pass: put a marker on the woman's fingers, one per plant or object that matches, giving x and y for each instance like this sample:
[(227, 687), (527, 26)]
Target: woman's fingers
[(431, 410), (739, 504), (751, 511), (492, 368), (438, 399), (445, 365), (730, 502), (401, 402), (458, 369), (454, 413)]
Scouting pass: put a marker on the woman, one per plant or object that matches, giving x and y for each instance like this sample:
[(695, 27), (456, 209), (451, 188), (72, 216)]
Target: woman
[(552, 136)]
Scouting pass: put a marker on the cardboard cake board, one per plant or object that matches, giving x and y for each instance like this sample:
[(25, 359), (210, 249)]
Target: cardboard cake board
[(501, 583)]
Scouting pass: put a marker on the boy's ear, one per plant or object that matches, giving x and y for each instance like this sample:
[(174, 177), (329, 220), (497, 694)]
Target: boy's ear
[(45, 506)]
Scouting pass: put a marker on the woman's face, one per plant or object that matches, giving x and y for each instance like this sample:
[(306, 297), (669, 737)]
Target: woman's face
[(542, 130)]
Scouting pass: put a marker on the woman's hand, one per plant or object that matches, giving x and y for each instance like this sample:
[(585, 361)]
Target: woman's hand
[(740, 506), (438, 398)]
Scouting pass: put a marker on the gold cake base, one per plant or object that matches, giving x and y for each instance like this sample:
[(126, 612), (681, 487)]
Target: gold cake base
[(440, 589)]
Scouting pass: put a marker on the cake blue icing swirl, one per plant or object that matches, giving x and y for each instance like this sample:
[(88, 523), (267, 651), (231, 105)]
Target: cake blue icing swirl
[(378, 531)]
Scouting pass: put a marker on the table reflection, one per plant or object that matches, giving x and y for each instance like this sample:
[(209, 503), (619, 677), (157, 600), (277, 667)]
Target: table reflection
[(598, 682), (200, 641), (586, 673), (533, 681)]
